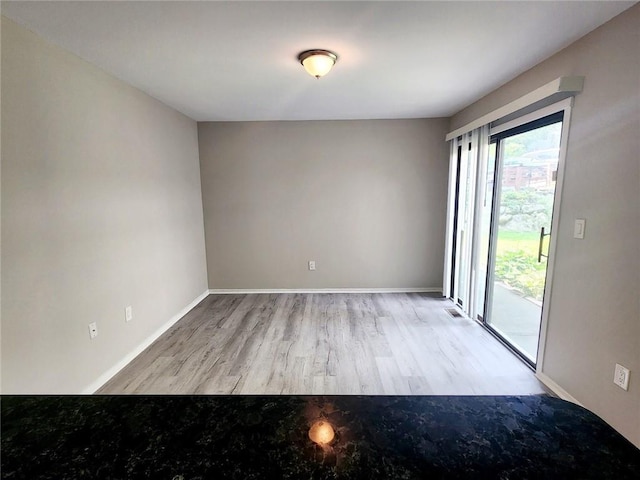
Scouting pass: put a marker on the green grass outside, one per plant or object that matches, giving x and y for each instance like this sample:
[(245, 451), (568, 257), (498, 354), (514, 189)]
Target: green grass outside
[(517, 262), (514, 241)]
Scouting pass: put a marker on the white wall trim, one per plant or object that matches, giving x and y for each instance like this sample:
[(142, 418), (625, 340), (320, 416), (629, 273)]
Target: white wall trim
[(106, 376), (566, 106), (238, 291), (557, 389)]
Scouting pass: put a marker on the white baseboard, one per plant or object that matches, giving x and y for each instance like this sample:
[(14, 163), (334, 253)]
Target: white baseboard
[(557, 389), (240, 291), (106, 376)]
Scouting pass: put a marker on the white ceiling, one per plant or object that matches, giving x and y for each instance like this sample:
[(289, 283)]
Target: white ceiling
[(237, 60)]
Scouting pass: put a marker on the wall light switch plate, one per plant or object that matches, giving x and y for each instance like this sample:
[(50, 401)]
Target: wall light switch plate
[(93, 330), (578, 228), (621, 377), (128, 314)]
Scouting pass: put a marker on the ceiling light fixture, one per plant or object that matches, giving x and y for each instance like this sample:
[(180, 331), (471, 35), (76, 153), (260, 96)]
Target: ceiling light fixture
[(317, 63)]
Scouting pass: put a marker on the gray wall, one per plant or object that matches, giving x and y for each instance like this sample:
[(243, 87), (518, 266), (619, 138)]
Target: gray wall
[(594, 312), (365, 199), (101, 208)]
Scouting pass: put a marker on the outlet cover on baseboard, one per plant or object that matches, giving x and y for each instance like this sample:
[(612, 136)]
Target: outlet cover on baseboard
[(621, 377)]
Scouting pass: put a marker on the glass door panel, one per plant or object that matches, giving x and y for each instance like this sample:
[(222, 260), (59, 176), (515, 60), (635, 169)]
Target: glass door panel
[(464, 234), (484, 225), (521, 225), (463, 223)]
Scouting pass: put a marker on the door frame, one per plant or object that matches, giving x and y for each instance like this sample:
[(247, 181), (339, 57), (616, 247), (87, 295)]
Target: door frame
[(564, 106)]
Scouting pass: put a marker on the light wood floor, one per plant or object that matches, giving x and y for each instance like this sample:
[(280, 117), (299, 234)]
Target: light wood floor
[(384, 344)]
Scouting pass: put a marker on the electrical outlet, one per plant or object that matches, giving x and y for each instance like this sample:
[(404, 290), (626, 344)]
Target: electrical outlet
[(128, 314), (93, 330), (621, 377), (312, 264)]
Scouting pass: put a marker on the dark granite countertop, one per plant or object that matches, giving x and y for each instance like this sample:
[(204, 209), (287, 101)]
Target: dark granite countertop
[(263, 437)]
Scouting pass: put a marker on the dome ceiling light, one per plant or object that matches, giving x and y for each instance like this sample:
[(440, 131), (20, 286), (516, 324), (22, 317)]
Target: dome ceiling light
[(317, 63)]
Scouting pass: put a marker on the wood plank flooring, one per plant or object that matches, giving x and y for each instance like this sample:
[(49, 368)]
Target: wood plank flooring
[(373, 344)]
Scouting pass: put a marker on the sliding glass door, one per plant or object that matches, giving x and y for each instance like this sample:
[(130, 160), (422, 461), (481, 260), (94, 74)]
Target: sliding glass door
[(485, 207), (502, 200), (526, 165), (463, 223)]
